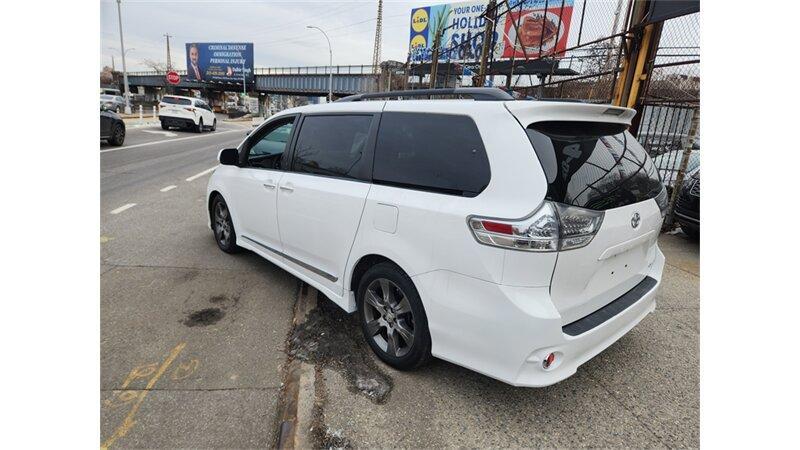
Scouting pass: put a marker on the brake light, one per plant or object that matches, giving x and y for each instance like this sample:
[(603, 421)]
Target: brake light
[(552, 227)]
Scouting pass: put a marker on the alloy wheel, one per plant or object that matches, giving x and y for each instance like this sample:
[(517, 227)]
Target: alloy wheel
[(388, 316), (222, 224)]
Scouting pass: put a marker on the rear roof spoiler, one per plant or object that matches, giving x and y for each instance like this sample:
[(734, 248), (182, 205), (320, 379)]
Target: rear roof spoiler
[(475, 93), (530, 112)]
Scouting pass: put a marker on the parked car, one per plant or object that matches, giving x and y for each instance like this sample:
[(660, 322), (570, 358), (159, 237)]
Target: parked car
[(186, 112), (687, 206), (112, 103), (669, 163), (112, 127), (505, 236)]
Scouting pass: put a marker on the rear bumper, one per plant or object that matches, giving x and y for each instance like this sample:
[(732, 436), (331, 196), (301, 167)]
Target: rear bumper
[(173, 121), (506, 332)]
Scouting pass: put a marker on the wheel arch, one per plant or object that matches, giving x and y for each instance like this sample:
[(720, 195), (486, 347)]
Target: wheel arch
[(363, 264)]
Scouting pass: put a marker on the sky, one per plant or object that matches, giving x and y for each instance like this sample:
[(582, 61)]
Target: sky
[(277, 29)]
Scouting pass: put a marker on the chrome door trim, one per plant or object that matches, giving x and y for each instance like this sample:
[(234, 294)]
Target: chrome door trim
[(319, 272)]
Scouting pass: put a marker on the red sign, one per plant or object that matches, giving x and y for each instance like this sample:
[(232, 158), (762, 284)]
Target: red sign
[(173, 77), (541, 32)]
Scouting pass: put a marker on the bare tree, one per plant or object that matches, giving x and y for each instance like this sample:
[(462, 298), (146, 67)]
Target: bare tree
[(158, 66), (106, 76)]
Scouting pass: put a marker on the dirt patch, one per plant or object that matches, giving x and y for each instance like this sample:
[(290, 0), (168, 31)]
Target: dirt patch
[(209, 316), (204, 317), (331, 338)]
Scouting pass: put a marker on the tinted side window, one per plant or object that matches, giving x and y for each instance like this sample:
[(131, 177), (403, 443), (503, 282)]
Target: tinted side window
[(332, 145), (267, 151), (437, 152)]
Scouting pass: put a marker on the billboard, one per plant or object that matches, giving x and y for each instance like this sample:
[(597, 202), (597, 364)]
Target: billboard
[(533, 27), (219, 62)]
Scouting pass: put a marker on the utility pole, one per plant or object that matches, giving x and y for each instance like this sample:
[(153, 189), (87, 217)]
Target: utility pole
[(376, 51), (487, 41), (113, 69), (124, 67), (169, 59)]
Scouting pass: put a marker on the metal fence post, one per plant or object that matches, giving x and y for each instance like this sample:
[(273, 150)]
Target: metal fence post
[(687, 152)]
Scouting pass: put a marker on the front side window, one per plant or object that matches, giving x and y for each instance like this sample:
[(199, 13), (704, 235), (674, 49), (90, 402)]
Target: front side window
[(333, 145), (267, 151), (434, 152), (593, 165)]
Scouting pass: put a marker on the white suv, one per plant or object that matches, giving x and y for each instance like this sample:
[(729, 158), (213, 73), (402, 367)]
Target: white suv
[(186, 112), (515, 238)]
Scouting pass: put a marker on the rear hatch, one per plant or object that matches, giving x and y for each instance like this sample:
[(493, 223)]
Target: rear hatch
[(591, 161), (176, 107)]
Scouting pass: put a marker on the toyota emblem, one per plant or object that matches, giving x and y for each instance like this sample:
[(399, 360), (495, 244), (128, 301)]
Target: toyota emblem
[(635, 220)]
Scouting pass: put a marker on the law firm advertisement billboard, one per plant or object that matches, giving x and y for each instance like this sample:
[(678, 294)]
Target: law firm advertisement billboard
[(532, 27), (219, 62)]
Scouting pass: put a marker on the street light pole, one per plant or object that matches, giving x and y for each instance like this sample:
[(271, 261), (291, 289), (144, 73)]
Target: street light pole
[(124, 67), (330, 63)]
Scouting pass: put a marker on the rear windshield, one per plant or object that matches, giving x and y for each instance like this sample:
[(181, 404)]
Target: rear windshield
[(593, 165), (176, 101)]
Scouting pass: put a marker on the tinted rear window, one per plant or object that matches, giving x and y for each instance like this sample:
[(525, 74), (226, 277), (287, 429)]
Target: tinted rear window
[(593, 165), (436, 152), (176, 101)]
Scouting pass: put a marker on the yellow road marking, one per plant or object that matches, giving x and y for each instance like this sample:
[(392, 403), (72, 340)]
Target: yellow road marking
[(129, 421)]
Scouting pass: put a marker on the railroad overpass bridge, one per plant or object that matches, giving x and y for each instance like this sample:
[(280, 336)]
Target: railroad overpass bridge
[(302, 81)]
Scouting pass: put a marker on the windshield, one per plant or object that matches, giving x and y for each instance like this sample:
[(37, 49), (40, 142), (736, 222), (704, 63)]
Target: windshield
[(593, 165), (107, 97)]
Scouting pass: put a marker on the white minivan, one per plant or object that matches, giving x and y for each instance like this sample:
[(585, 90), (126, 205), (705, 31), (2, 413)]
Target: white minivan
[(514, 238), (186, 112)]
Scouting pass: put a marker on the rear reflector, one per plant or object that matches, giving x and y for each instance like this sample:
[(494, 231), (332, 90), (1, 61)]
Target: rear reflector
[(549, 360)]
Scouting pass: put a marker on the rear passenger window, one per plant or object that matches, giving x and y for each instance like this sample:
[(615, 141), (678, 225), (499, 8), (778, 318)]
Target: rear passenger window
[(333, 146), (435, 152)]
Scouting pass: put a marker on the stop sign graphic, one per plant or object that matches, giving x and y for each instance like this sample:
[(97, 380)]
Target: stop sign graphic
[(173, 77)]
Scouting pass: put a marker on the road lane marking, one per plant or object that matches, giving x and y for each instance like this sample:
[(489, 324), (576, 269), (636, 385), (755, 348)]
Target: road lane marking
[(205, 172), (142, 372), (123, 208), (165, 133), (170, 140), (168, 188)]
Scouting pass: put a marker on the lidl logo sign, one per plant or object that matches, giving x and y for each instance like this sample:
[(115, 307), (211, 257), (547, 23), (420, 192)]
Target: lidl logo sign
[(419, 20)]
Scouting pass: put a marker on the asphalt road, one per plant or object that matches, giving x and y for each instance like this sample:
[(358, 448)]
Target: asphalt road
[(193, 341)]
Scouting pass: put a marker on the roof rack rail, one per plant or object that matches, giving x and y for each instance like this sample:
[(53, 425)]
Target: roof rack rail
[(476, 93)]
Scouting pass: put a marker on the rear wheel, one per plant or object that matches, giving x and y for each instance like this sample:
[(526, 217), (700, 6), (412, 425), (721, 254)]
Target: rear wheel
[(199, 127), (222, 224), (214, 126), (117, 135), (392, 317), (164, 125)]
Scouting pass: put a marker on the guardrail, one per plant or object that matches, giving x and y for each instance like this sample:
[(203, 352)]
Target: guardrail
[(363, 69)]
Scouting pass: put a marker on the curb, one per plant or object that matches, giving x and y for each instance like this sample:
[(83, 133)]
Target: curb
[(296, 402)]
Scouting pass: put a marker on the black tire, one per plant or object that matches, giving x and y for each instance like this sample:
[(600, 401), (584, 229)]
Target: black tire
[(164, 125), (214, 126), (117, 135), (692, 232), (222, 224), (383, 330), (199, 127)]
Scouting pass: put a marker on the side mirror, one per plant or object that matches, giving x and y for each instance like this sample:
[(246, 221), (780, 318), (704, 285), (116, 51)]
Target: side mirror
[(228, 157)]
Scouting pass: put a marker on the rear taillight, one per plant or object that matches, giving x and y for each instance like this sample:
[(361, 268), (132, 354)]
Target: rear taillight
[(663, 202), (550, 228)]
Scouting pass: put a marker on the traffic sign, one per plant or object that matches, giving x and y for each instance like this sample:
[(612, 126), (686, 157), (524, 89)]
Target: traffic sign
[(173, 77)]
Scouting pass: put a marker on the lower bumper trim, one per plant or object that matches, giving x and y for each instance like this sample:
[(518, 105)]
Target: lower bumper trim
[(607, 312)]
